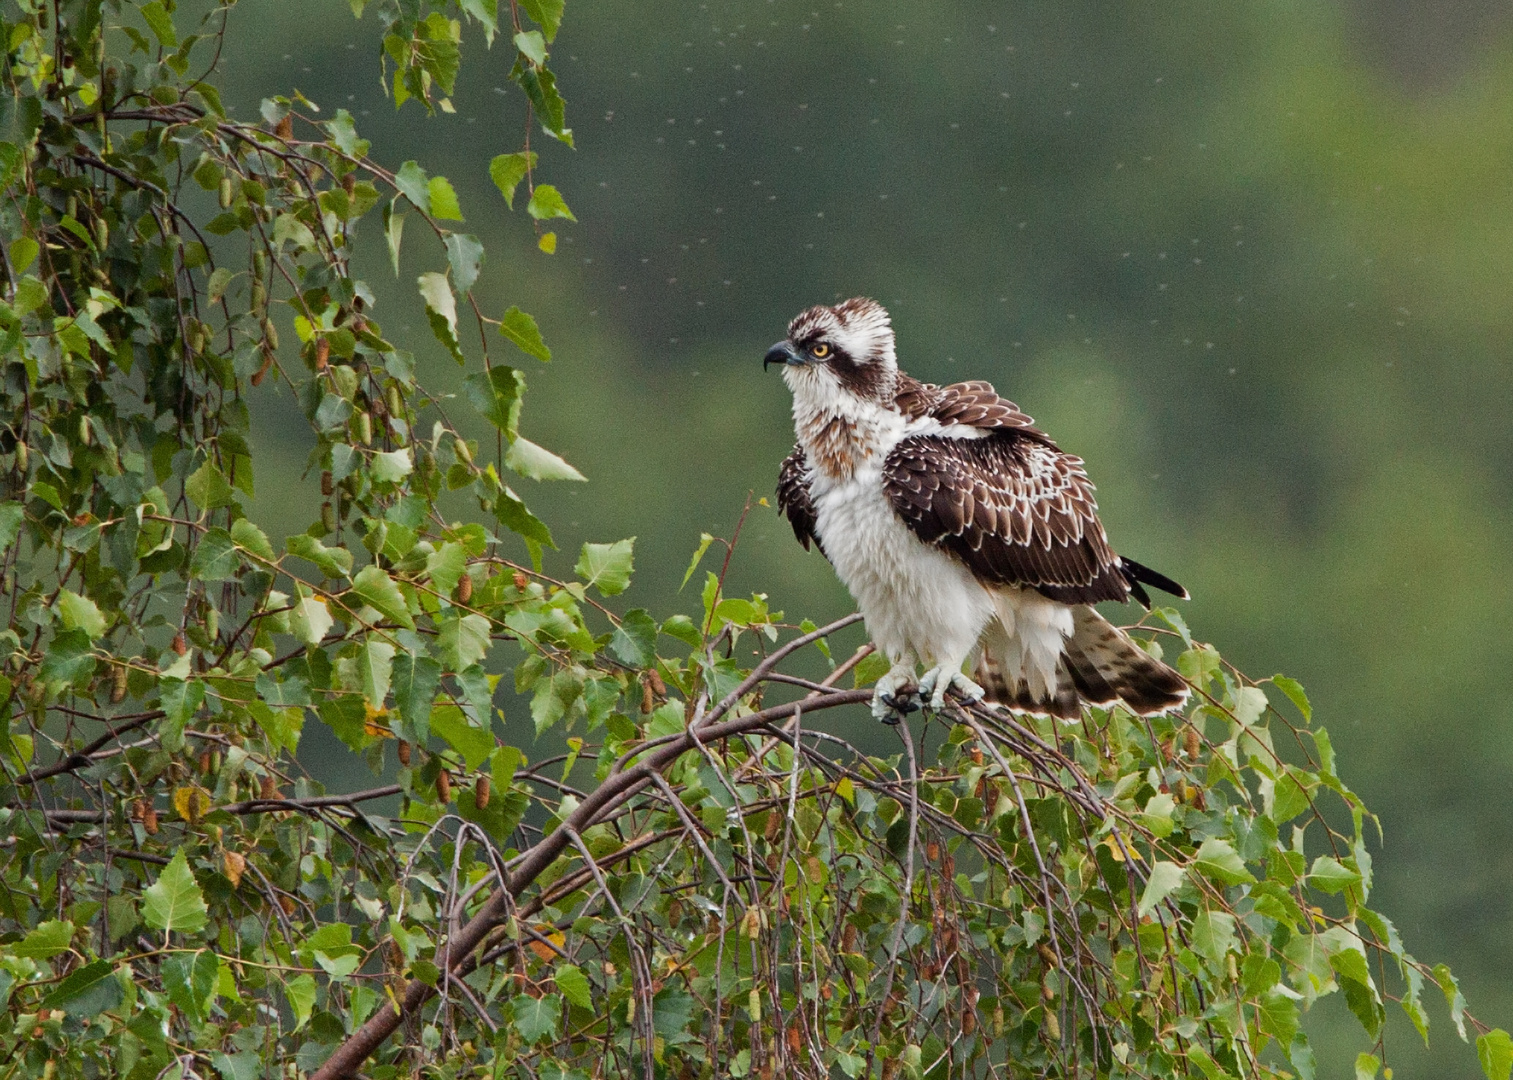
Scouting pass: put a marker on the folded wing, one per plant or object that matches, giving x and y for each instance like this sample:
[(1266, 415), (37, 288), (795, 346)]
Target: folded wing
[(1000, 496), (794, 499)]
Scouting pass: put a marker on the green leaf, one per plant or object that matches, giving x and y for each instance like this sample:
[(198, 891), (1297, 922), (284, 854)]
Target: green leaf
[(248, 537), (208, 488), (80, 613), (441, 310), (871, 668), (682, 628), (554, 696), (309, 619), (513, 515), (540, 87), (24, 252), (343, 132), (446, 565), (666, 719), (333, 562), (68, 661), (1278, 1016), (413, 185), (521, 328), (472, 742), (377, 589), (1450, 987), (394, 229), (1366, 1066), (507, 170), (635, 639), (535, 1019), (538, 463), (375, 665), (1213, 934), (532, 45), (189, 979), (46, 940), (89, 991), (672, 1009), (1157, 815), (416, 680), (12, 515), (291, 230), (1294, 691), (181, 699), (1495, 1052), (291, 692), (496, 395), (174, 901), (463, 641), (1330, 875), (282, 726), (607, 567), (246, 1065), (215, 557), (300, 993), (444, 199), (546, 12), (465, 256), (574, 985), (1217, 859), (393, 466), (1349, 962), (546, 202), (698, 554), (1164, 878), (161, 24), (487, 13)]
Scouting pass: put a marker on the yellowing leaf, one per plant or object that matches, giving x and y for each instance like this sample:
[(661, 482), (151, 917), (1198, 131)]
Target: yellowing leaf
[(546, 952), (191, 802), (234, 864)]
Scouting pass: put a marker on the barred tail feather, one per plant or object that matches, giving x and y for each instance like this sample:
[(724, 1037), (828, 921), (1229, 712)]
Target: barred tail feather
[(1099, 665), (1106, 664)]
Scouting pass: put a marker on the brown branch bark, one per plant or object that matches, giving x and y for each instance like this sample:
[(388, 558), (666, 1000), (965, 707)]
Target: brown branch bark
[(349, 1057)]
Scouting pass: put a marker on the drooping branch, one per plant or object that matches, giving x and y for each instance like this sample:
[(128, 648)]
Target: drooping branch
[(616, 788)]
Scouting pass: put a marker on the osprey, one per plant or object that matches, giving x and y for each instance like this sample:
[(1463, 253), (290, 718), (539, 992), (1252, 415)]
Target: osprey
[(961, 530)]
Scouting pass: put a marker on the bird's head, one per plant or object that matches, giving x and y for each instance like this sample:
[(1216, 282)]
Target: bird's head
[(832, 353)]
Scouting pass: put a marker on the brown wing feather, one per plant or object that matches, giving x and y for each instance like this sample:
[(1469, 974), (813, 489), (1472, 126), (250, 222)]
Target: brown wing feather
[(974, 403), (794, 499), (1010, 505)]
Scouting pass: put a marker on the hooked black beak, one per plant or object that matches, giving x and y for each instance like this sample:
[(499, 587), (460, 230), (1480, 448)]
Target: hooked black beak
[(781, 353)]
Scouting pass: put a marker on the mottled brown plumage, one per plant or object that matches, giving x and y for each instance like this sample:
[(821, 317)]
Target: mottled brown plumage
[(1009, 503), (962, 529), (794, 499)]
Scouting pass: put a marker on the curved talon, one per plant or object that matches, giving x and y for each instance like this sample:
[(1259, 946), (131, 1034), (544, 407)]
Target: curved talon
[(894, 698), (939, 681)]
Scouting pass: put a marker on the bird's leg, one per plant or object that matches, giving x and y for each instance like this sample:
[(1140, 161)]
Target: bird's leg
[(935, 683), (895, 696)]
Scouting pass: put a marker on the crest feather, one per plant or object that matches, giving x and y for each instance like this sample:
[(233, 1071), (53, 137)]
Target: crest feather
[(859, 327)]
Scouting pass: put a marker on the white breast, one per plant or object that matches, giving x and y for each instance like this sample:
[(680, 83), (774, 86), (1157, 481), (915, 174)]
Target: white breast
[(918, 601)]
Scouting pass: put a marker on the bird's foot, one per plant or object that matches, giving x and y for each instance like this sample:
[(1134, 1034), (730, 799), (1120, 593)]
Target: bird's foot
[(894, 697), (938, 681)]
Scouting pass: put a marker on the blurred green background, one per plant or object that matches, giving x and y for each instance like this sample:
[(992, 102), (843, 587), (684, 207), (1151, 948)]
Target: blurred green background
[(1250, 260)]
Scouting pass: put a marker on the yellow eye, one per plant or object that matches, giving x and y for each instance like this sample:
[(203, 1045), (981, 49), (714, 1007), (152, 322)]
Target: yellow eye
[(820, 351)]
